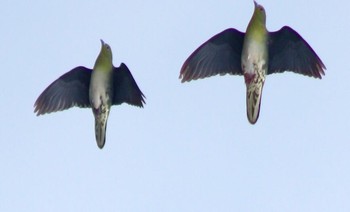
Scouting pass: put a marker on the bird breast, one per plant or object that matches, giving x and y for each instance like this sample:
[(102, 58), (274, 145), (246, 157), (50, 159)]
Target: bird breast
[(254, 57), (100, 92)]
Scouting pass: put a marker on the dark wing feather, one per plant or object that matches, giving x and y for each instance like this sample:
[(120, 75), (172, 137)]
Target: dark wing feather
[(125, 88), (288, 51), (221, 54), (71, 89)]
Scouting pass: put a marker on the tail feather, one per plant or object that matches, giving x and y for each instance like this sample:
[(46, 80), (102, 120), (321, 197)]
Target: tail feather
[(100, 132), (254, 93), (101, 116)]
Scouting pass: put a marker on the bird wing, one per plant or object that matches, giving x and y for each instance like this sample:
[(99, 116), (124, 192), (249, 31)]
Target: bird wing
[(221, 54), (288, 51), (71, 89), (125, 88)]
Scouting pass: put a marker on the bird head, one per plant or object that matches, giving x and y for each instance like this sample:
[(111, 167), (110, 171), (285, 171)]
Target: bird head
[(104, 59), (259, 13), (106, 50), (257, 24)]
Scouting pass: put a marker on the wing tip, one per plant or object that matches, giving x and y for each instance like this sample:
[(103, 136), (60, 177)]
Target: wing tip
[(38, 108), (183, 78), (142, 101), (184, 72)]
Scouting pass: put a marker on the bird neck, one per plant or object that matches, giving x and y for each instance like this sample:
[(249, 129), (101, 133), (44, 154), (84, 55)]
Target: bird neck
[(256, 29), (103, 64)]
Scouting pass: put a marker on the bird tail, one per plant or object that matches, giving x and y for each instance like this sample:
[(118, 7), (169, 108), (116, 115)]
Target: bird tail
[(254, 93), (101, 116)]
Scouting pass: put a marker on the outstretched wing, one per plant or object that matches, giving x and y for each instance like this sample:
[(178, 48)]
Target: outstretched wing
[(125, 88), (221, 54), (71, 89), (288, 51)]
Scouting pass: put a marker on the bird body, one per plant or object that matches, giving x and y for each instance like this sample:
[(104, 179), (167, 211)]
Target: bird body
[(98, 88), (254, 62), (101, 92), (253, 54)]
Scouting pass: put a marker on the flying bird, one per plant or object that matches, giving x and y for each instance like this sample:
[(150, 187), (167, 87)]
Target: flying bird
[(98, 88), (254, 55)]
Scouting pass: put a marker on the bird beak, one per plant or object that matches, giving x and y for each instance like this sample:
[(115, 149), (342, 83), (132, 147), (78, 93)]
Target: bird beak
[(255, 4), (102, 42)]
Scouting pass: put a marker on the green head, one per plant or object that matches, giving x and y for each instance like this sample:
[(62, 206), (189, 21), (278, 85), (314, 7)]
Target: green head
[(257, 24), (104, 59), (259, 13)]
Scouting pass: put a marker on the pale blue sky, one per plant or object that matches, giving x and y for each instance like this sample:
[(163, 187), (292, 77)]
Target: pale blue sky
[(191, 148)]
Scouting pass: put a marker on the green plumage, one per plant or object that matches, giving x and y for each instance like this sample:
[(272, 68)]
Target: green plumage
[(253, 54), (98, 88)]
